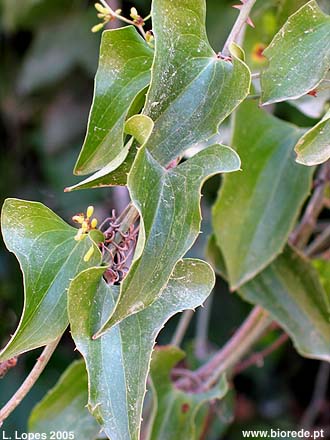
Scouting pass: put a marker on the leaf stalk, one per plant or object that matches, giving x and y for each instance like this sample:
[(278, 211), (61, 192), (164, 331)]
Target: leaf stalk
[(245, 337)]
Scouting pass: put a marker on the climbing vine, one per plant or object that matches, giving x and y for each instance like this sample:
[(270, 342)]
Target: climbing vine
[(160, 90)]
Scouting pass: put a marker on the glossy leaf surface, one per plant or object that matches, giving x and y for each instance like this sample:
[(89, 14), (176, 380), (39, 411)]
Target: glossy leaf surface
[(118, 362), (124, 70), (192, 90), (299, 55), (49, 258), (268, 17), (116, 172), (257, 208), (64, 407), (313, 147), (168, 201)]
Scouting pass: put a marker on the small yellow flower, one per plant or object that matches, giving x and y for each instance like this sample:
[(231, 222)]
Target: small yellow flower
[(101, 9), (134, 14), (149, 37), (79, 218), (94, 223), (97, 27), (257, 53), (85, 222)]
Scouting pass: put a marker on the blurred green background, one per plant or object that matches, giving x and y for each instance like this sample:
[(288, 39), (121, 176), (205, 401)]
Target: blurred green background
[(48, 61)]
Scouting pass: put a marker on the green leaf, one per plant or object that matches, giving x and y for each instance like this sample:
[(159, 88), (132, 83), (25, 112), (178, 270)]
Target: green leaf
[(291, 291), (124, 70), (49, 257), (299, 55), (192, 90), (64, 407), (323, 269), (118, 362), (175, 411), (255, 211), (115, 173), (169, 206), (313, 147), (285, 8)]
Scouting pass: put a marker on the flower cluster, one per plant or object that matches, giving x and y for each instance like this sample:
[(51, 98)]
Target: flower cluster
[(105, 15), (86, 223)]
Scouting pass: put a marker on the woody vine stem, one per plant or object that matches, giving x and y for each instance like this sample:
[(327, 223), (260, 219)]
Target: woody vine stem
[(245, 10), (29, 381)]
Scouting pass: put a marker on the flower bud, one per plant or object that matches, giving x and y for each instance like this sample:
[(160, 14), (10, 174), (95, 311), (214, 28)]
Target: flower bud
[(134, 14), (149, 37), (84, 227), (90, 211), (78, 218), (101, 9), (80, 235), (89, 254), (97, 27)]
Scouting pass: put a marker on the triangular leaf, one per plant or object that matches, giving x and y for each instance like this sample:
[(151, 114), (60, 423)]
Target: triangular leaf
[(255, 212), (118, 362), (49, 257), (124, 70), (175, 411), (299, 55), (192, 89), (64, 407), (168, 201)]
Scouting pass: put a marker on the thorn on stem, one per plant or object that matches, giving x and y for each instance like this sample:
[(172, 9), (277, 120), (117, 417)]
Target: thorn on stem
[(248, 20)]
